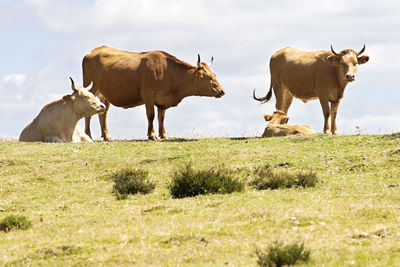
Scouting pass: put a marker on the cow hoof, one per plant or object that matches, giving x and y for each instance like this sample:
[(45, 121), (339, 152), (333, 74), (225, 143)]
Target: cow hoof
[(107, 139), (152, 138), (164, 137)]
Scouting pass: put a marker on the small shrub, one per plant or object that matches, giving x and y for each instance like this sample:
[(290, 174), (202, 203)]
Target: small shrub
[(14, 222), (188, 182), (277, 255), (265, 178), (307, 179), (131, 181)]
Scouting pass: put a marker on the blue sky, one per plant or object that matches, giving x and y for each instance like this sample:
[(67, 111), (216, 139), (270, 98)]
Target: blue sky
[(43, 43)]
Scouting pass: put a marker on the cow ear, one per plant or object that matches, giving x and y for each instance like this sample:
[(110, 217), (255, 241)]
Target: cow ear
[(362, 59), (334, 60), (68, 98), (285, 120), (267, 117)]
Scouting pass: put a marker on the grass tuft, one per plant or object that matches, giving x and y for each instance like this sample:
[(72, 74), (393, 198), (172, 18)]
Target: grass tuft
[(266, 178), (277, 255), (14, 222), (131, 181), (188, 182)]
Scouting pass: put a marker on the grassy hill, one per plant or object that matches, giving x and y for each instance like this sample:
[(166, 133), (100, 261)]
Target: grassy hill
[(351, 217)]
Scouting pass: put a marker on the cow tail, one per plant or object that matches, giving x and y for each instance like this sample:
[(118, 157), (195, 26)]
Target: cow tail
[(264, 99)]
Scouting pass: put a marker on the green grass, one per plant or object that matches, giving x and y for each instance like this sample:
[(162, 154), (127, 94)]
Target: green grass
[(350, 217)]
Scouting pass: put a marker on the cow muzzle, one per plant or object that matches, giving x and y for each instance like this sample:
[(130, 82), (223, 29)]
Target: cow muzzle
[(102, 108), (220, 94), (350, 77)]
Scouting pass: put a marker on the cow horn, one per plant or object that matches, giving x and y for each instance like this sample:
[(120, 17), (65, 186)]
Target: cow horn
[(211, 62), (198, 61), (361, 51), (333, 51), (89, 86), (73, 85)]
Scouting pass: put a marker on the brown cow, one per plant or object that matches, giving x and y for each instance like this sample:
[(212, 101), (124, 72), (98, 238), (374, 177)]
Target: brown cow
[(127, 79), (311, 75)]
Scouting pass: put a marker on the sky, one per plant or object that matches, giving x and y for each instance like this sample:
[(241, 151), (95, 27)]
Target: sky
[(43, 42)]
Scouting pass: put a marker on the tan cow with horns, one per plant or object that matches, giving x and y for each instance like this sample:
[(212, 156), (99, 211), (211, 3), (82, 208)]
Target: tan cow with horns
[(305, 75), (127, 79), (57, 121)]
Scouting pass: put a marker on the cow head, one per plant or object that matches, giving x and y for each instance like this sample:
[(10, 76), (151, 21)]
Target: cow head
[(206, 80), (278, 117), (84, 102), (347, 61)]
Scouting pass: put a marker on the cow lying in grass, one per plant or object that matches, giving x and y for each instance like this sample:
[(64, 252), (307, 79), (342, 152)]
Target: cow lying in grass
[(57, 121), (278, 126)]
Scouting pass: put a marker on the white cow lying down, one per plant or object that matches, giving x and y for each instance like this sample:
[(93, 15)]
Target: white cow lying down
[(57, 121), (278, 126)]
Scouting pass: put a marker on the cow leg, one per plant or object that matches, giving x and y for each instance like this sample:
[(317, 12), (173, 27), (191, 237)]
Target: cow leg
[(87, 126), (103, 122), (279, 96), (150, 118), (334, 108), (283, 99), (287, 101), (327, 113), (161, 129)]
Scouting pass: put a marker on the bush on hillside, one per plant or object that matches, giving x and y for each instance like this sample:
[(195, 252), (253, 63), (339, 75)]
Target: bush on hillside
[(266, 178), (277, 255), (131, 181), (14, 222), (188, 182)]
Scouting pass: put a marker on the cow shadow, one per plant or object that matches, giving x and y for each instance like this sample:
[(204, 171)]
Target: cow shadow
[(178, 140), (171, 140)]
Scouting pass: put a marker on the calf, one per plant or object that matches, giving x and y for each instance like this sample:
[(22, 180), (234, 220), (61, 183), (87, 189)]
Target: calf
[(278, 126), (286, 129), (57, 121)]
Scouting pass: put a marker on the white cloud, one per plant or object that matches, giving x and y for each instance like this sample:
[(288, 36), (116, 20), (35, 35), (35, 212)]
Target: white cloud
[(14, 79)]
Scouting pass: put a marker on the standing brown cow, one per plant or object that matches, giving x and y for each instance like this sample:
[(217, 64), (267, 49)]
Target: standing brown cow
[(311, 75), (127, 79)]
